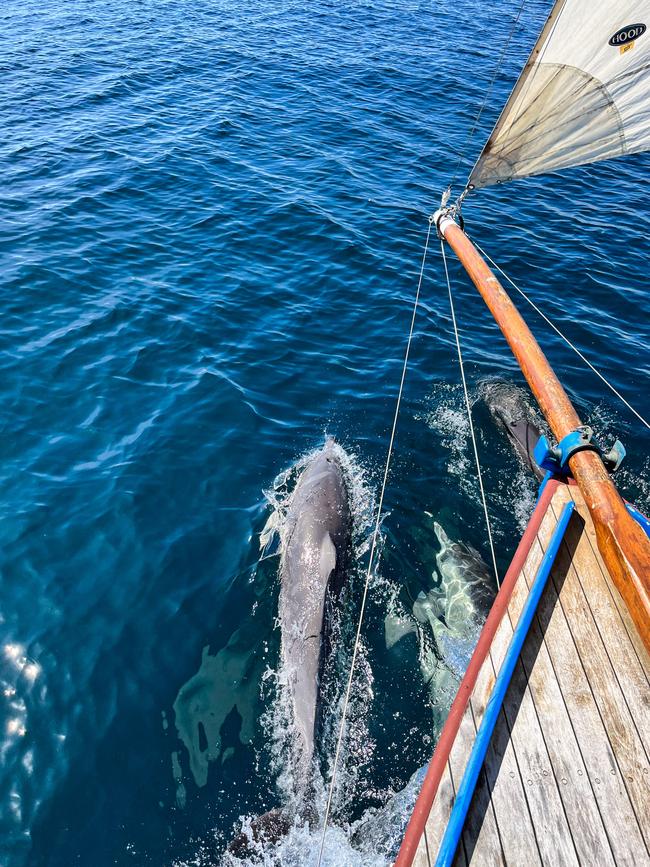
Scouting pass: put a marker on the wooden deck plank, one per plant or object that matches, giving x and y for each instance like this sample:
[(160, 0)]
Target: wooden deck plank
[(612, 798), (480, 834), (642, 653), (550, 826), (626, 745), (502, 774), (480, 843), (436, 821), (501, 781), (566, 777), (482, 826), (620, 650), (426, 854), (437, 818), (567, 765)]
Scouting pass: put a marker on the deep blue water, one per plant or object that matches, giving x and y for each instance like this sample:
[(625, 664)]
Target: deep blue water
[(212, 220)]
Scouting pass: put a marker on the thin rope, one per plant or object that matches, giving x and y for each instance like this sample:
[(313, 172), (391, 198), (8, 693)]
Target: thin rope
[(469, 415), (487, 92), (373, 548), (566, 339)]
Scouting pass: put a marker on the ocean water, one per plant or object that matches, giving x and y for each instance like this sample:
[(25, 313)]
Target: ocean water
[(212, 221)]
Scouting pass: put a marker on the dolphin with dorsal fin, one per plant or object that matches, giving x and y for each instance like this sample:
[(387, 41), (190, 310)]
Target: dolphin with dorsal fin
[(314, 561), (313, 567), (315, 553)]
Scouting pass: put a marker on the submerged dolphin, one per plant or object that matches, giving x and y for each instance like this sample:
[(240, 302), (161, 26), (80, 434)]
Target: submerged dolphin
[(313, 566), (446, 619)]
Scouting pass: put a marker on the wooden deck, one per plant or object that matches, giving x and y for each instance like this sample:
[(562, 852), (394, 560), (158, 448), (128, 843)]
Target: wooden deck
[(566, 780)]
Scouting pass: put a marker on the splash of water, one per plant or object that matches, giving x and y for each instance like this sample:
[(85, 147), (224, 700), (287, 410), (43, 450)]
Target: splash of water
[(445, 413), (511, 492), (277, 721)]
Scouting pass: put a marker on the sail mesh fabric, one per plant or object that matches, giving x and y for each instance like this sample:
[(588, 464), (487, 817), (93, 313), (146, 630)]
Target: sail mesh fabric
[(579, 98)]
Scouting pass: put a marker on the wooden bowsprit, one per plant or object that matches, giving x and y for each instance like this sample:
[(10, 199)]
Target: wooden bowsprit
[(623, 545)]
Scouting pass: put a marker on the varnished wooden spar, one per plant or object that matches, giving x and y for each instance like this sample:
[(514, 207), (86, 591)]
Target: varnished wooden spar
[(623, 544)]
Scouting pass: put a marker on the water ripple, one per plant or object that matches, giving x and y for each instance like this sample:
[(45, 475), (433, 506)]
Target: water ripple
[(212, 224)]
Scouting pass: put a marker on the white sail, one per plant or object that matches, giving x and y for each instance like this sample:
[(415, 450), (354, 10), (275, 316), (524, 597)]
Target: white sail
[(583, 96)]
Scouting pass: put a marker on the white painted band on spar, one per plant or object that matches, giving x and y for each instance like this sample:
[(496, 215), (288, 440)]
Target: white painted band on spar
[(442, 221)]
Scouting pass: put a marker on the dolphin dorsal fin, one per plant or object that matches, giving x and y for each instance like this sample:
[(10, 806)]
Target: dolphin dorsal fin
[(327, 557)]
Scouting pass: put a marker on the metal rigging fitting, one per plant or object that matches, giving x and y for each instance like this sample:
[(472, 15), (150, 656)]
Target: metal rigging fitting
[(453, 211), (556, 459)]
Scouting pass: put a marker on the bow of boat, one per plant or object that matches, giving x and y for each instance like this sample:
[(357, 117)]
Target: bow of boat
[(564, 774)]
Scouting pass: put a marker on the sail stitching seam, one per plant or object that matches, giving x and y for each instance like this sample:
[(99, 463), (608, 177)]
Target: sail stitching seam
[(586, 80)]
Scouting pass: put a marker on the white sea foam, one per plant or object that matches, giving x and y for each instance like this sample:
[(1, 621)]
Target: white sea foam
[(367, 842), (301, 846), (445, 413)]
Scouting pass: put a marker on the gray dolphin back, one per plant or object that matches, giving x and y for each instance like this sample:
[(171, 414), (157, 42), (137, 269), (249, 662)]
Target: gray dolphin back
[(508, 406), (314, 562)]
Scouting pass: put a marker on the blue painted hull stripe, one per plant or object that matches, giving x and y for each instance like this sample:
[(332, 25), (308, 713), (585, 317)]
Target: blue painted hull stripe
[(458, 815), (640, 518), (548, 475)]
